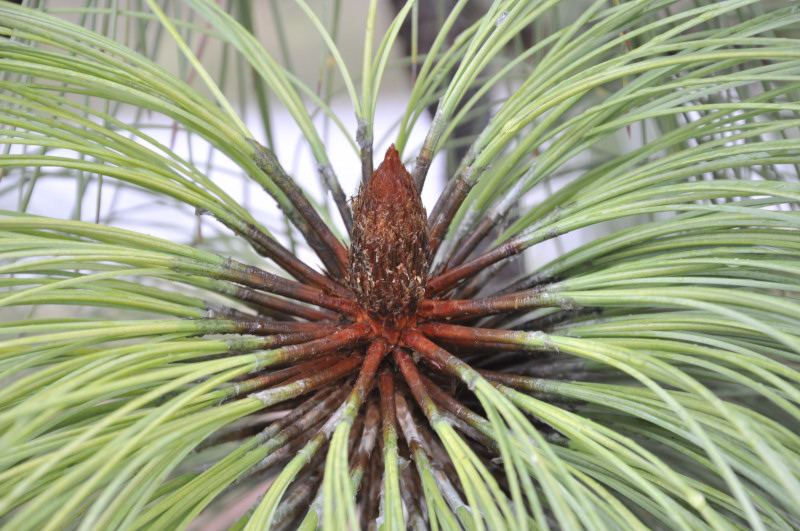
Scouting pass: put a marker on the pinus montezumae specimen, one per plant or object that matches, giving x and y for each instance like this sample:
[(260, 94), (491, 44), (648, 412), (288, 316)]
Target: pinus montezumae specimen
[(646, 378)]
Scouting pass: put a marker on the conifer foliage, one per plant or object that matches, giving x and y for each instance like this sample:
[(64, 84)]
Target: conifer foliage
[(359, 361)]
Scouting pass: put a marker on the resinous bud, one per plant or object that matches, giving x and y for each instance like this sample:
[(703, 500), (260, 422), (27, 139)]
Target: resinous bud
[(388, 256)]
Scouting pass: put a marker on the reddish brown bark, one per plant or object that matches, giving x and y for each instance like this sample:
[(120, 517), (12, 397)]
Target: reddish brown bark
[(347, 337), (446, 309), (452, 278), (488, 335)]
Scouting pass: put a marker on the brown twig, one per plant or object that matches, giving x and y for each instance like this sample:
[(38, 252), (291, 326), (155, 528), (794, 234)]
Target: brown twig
[(456, 190), (264, 301), (333, 253), (347, 337), (453, 277), (463, 308), (255, 277), (289, 262)]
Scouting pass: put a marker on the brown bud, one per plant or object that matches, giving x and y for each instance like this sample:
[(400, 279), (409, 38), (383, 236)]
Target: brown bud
[(388, 256)]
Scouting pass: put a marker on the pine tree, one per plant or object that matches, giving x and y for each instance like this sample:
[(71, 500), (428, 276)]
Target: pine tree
[(595, 324)]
